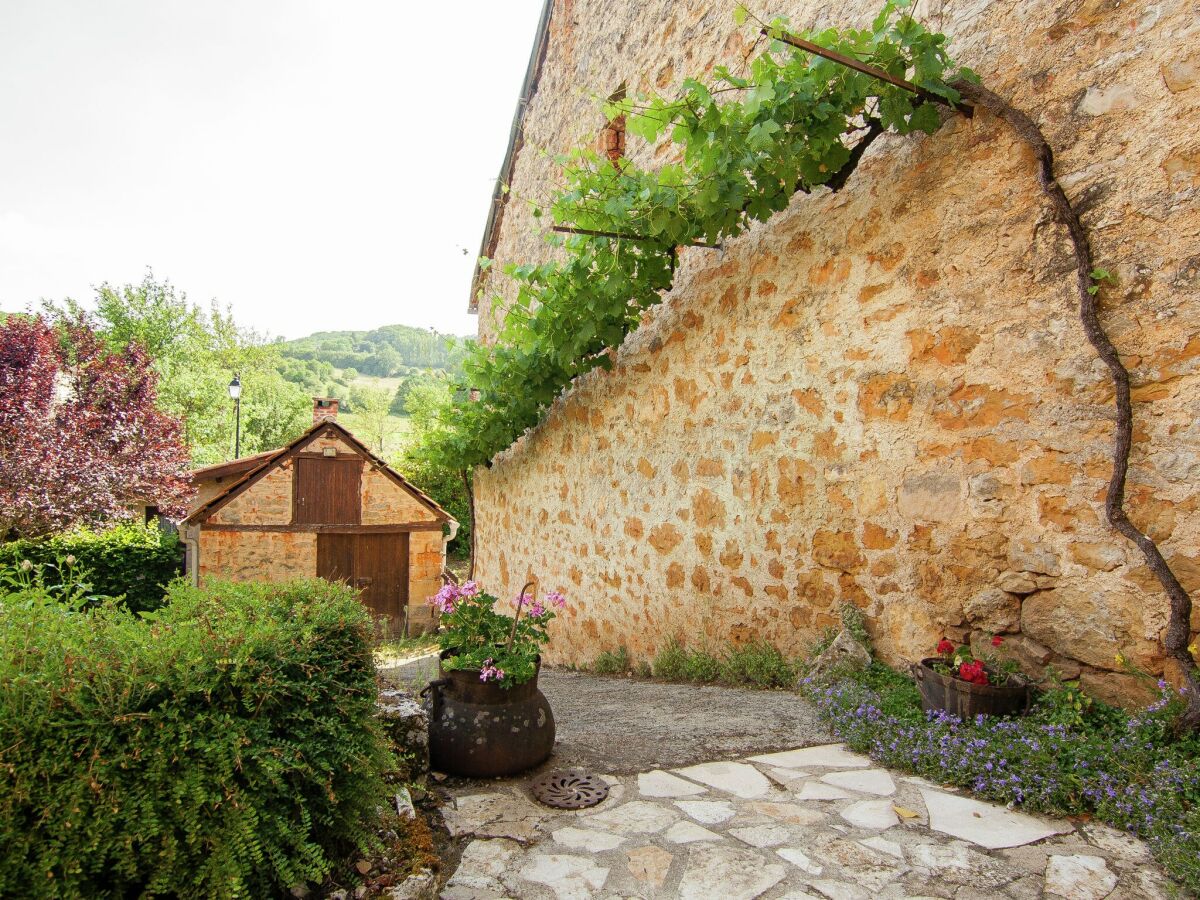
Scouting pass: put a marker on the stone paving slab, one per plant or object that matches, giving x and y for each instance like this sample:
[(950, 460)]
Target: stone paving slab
[(842, 829)]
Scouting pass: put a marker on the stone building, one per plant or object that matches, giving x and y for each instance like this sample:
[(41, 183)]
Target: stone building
[(882, 395), (322, 506)]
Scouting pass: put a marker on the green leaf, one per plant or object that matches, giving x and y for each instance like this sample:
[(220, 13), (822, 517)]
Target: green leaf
[(925, 118), (738, 156)]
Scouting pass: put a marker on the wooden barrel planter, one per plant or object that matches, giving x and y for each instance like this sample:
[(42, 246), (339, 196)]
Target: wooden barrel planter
[(478, 729), (967, 700)]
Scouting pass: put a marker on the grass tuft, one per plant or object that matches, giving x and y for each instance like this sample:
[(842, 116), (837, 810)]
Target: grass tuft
[(757, 664), (611, 663)]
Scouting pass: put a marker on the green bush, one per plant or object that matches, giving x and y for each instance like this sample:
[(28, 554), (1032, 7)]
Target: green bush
[(132, 561), (702, 666), (670, 662), (612, 663), (757, 663), (222, 746)]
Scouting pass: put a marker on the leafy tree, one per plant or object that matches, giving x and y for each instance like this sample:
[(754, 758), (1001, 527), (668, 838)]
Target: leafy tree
[(404, 391), (372, 416), (427, 396), (196, 353), (387, 360), (82, 439)]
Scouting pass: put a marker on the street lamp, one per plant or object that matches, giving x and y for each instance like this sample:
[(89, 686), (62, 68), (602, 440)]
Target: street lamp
[(235, 394)]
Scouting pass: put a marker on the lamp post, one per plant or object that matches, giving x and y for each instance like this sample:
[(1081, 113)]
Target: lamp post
[(235, 394)]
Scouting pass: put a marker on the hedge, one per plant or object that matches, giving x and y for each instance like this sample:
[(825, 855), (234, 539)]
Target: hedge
[(130, 560), (222, 746)]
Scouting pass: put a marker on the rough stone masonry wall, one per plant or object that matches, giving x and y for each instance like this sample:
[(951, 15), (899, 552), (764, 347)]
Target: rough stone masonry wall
[(426, 561), (257, 556), (386, 503), (884, 395), (267, 502)]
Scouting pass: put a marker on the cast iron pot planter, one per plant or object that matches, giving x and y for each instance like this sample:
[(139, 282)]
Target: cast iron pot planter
[(967, 700), (478, 729)]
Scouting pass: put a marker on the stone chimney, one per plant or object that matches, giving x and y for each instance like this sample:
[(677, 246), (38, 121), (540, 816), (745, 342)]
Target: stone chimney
[(325, 409)]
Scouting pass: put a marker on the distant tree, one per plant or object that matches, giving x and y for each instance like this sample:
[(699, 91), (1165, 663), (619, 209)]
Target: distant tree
[(404, 391), (82, 440), (196, 353), (387, 360), (372, 420), (427, 397)]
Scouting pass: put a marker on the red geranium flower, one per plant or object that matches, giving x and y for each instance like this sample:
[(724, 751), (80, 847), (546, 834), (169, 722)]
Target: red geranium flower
[(944, 647), (973, 672), (997, 640)]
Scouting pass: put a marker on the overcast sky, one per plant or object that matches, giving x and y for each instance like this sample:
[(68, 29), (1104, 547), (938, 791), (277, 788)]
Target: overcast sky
[(316, 165)]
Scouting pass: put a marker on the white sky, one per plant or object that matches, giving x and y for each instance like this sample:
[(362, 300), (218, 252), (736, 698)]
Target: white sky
[(317, 165)]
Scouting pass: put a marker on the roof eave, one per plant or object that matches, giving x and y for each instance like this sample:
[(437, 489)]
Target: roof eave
[(533, 73)]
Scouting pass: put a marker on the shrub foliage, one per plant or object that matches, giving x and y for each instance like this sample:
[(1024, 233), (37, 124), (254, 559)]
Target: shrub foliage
[(222, 746), (129, 561)]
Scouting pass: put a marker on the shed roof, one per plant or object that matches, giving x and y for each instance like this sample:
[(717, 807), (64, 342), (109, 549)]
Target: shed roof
[(233, 467), (262, 463)]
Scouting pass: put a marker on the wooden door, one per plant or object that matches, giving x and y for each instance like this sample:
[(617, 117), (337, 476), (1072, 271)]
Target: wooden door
[(376, 565), (327, 491), (381, 573)]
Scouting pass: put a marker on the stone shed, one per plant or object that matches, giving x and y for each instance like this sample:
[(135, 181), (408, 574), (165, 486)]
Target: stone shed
[(882, 395), (322, 506)]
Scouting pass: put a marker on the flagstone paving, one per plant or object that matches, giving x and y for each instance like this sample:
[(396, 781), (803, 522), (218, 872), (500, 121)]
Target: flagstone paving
[(818, 822)]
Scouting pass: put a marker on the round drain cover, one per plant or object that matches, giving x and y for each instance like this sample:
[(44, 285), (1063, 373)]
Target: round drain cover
[(569, 789)]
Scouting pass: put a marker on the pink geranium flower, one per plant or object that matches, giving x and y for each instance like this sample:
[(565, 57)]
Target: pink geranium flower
[(443, 601), (489, 672)]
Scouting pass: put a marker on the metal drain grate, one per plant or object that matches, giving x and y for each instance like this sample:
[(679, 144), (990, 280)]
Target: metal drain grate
[(569, 789)]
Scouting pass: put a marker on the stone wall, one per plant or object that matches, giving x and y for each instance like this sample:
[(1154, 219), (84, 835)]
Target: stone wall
[(384, 502), (883, 396), (426, 560), (207, 490), (257, 556), (267, 502)]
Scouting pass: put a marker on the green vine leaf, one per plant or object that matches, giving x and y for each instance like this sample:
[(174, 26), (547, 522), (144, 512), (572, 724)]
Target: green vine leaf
[(744, 145)]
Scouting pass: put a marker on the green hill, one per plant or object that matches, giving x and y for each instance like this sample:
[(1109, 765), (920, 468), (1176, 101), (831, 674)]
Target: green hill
[(385, 352), (331, 362)]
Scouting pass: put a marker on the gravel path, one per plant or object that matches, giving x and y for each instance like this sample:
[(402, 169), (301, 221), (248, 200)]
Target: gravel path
[(621, 726)]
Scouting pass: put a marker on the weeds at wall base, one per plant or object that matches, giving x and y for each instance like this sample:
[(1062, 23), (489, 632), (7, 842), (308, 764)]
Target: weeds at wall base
[(756, 665)]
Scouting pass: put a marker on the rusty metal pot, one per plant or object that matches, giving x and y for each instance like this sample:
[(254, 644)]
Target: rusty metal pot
[(967, 700), (480, 730)]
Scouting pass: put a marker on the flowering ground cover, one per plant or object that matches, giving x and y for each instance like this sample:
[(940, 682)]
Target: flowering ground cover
[(1071, 756)]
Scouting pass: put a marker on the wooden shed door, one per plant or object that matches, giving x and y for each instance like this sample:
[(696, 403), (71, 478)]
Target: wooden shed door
[(327, 492), (375, 564)]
